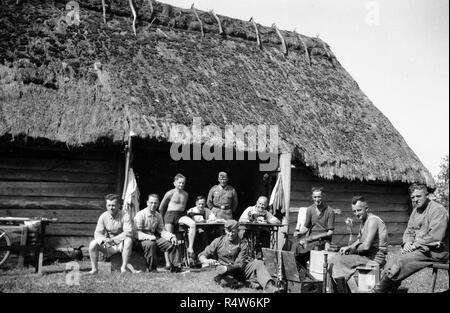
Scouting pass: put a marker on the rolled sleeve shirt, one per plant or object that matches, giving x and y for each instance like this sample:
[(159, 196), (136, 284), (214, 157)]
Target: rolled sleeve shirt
[(118, 228), (232, 254), (428, 228), (222, 196), (150, 223)]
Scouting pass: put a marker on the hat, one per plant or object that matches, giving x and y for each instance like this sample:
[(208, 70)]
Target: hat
[(223, 174), (231, 224)]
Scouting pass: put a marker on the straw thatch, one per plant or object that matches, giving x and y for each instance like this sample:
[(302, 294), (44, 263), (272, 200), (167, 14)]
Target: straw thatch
[(77, 83)]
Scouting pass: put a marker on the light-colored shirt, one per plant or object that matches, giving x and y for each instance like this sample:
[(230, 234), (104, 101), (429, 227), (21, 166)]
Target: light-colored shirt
[(118, 228), (200, 216), (428, 228), (148, 223), (258, 216), (233, 254), (222, 196)]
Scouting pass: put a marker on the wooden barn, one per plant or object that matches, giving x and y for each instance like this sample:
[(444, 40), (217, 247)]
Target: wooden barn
[(72, 91)]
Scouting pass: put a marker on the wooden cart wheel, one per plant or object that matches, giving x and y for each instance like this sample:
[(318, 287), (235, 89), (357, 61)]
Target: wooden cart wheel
[(5, 241)]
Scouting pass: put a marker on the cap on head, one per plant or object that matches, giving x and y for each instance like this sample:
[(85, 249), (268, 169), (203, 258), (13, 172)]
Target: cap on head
[(231, 224), (223, 175)]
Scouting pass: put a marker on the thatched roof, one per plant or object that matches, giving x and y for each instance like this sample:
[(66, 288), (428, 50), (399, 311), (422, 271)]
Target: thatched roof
[(75, 84)]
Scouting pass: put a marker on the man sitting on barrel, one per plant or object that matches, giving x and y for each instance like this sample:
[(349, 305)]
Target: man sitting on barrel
[(230, 253), (370, 246)]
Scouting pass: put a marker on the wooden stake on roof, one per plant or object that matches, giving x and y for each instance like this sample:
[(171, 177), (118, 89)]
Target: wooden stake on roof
[(198, 19), (283, 42), (150, 3), (134, 15), (258, 40), (104, 11), (304, 46), (218, 22), (324, 46)]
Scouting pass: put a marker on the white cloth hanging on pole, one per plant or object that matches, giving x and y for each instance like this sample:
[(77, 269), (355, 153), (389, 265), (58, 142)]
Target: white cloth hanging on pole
[(277, 197), (131, 199)]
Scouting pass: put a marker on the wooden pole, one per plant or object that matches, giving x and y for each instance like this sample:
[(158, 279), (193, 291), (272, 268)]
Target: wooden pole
[(325, 273), (285, 173), (127, 163)]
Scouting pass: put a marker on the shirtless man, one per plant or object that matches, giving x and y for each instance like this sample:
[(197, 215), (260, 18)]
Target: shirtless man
[(172, 208)]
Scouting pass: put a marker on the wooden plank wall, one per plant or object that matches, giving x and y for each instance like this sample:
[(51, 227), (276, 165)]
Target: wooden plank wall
[(387, 200), (56, 183)]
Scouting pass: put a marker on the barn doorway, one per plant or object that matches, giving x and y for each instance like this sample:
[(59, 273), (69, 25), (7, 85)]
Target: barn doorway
[(155, 169)]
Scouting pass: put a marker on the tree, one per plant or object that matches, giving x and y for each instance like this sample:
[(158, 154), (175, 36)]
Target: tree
[(441, 191)]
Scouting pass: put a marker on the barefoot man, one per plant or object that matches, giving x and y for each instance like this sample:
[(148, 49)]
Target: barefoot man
[(172, 208), (113, 234)]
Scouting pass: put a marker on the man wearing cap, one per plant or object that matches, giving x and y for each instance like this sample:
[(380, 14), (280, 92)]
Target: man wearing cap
[(230, 253), (425, 241), (222, 198)]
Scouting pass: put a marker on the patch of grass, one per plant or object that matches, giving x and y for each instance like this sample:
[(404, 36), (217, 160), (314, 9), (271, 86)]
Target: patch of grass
[(54, 280), (58, 277)]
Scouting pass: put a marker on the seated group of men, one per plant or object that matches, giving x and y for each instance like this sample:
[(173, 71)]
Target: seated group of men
[(116, 232), (425, 239)]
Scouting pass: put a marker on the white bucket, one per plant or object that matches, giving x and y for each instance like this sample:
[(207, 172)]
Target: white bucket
[(316, 262)]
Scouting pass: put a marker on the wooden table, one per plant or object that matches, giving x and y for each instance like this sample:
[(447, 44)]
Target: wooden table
[(38, 247)]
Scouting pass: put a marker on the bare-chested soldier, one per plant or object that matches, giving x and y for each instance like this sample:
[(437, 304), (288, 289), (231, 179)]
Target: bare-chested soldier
[(172, 208)]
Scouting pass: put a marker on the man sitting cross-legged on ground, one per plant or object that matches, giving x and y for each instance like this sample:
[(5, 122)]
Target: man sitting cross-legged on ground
[(232, 256), (172, 209), (151, 234), (370, 247), (113, 234)]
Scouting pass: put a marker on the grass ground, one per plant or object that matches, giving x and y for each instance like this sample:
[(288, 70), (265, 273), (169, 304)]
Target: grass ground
[(55, 278)]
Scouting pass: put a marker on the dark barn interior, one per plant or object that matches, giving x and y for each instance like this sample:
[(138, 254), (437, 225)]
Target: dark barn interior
[(155, 169)]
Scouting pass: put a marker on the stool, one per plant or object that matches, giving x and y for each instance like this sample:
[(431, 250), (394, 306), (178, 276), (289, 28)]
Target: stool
[(368, 276), (436, 267), (182, 246)]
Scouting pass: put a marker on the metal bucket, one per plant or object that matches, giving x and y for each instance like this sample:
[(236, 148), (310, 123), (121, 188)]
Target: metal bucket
[(316, 262)]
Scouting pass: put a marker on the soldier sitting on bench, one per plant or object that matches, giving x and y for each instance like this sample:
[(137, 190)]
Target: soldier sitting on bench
[(425, 240)]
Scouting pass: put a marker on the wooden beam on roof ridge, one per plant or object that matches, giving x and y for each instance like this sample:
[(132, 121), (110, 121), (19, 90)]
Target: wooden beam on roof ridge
[(218, 22), (283, 42), (258, 40), (198, 19), (304, 46), (134, 15)]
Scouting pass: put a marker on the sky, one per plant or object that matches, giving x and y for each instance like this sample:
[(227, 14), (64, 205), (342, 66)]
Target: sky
[(396, 50)]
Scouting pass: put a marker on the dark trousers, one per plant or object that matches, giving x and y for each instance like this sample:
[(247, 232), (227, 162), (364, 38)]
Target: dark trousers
[(150, 248), (255, 271), (402, 266)]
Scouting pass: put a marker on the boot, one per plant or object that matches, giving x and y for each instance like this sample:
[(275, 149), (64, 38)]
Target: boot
[(339, 285), (385, 285)]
